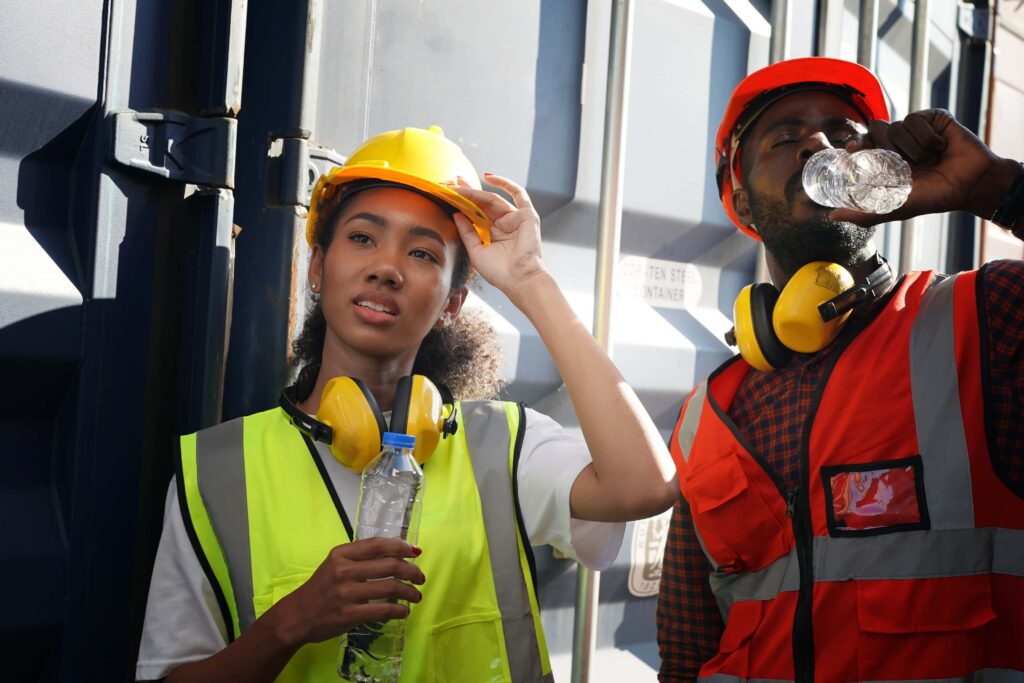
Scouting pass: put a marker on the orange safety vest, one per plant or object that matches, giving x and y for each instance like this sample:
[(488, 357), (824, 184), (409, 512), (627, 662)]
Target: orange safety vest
[(900, 556)]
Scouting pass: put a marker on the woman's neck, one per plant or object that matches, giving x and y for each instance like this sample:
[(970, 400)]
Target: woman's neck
[(380, 375)]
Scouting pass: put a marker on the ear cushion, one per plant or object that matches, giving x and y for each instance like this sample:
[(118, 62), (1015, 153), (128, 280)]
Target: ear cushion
[(348, 407), (762, 303), (418, 411)]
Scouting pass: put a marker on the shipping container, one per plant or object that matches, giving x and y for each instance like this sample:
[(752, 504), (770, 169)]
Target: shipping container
[(157, 163)]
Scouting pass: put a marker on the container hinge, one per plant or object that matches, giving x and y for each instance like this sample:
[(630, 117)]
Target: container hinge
[(294, 166), (176, 146), (975, 22)]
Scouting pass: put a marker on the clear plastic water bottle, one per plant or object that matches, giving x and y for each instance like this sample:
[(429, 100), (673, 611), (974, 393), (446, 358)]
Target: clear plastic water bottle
[(871, 180), (390, 505)]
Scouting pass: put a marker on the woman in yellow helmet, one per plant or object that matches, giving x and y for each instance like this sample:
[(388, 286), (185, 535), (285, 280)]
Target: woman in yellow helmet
[(257, 574)]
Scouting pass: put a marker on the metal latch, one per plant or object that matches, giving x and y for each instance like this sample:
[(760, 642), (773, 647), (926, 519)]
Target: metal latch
[(295, 165), (176, 146), (975, 22)]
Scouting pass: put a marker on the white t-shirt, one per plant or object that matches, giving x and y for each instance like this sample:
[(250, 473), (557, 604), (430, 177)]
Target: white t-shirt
[(183, 623)]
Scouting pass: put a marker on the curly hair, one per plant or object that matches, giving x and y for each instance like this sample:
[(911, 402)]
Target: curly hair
[(464, 356)]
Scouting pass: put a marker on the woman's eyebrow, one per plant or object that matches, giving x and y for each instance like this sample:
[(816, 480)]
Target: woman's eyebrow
[(426, 232), (372, 217)]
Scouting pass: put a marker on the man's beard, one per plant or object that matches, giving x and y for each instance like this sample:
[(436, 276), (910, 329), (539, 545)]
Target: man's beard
[(794, 244)]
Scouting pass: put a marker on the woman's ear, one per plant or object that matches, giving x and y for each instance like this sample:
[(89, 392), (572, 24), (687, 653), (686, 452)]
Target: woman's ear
[(315, 274), (741, 205), (453, 306)]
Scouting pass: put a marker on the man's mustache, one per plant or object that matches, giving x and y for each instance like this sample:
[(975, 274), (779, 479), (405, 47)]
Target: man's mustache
[(795, 186), (794, 189)]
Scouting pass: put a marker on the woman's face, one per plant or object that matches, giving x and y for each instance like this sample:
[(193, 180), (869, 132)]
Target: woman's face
[(386, 278)]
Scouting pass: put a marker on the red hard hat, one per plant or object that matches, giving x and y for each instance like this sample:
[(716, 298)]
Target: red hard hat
[(759, 90)]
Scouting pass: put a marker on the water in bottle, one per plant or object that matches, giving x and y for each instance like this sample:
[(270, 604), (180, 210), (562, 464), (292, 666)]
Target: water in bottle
[(871, 180), (390, 504)]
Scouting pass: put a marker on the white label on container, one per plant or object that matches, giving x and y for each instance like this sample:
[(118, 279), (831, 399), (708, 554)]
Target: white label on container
[(646, 550), (660, 283)]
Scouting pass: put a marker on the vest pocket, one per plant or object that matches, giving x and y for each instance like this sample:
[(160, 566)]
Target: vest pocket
[(728, 511), (924, 605), (733, 656), (279, 587), (922, 628), (468, 648)]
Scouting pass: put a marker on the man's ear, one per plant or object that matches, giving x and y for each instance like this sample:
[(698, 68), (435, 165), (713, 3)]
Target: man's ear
[(741, 205)]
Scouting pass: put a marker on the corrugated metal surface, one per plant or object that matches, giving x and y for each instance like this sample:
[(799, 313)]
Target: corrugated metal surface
[(107, 348), (532, 108), (1006, 114), (113, 282)]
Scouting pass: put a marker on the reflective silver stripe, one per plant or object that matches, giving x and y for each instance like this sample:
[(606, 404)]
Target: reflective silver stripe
[(1008, 552), (982, 676), (780, 576), (908, 555), (220, 470), (691, 419), (936, 396), (489, 440)]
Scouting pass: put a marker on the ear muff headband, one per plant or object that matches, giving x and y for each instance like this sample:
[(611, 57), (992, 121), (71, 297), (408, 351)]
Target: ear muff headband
[(350, 421), (400, 406), (307, 424), (806, 316), (872, 288)]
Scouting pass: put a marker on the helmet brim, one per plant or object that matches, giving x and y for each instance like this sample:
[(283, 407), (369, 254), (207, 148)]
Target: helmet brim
[(347, 174)]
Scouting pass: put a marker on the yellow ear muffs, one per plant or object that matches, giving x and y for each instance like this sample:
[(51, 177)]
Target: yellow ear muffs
[(796, 318), (351, 423), (769, 325), (348, 407), (419, 411)]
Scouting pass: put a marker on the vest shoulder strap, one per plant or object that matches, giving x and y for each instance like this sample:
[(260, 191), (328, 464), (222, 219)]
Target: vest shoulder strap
[(210, 525), (494, 434), (938, 417), (686, 431)]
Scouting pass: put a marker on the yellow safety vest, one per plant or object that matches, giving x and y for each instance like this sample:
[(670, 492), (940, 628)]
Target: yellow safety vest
[(262, 516)]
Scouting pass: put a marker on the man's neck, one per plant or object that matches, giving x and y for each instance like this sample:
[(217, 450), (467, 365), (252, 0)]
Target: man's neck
[(860, 265)]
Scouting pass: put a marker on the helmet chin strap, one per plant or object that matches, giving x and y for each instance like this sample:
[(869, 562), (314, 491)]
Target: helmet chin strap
[(871, 289)]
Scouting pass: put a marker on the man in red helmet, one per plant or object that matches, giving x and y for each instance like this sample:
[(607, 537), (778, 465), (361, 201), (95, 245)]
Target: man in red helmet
[(860, 507)]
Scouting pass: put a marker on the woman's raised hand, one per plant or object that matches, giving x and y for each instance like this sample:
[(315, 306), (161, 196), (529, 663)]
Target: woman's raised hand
[(513, 257)]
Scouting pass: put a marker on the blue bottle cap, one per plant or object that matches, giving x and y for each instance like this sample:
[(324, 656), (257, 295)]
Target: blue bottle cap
[(398, 440)]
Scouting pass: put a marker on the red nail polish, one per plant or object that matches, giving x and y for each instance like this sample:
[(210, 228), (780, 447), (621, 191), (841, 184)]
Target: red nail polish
[(416, 551)]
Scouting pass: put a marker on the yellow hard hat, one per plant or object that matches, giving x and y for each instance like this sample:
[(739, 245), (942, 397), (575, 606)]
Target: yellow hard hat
[(422, 159)]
